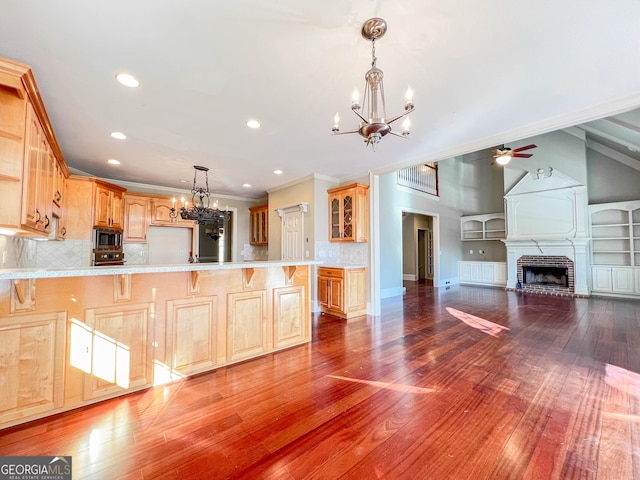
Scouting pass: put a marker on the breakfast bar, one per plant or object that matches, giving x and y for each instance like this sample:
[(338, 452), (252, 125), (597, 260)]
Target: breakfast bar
[(71, 337)]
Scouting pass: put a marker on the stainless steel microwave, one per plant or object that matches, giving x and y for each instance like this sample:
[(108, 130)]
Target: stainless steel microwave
[(107, 238)]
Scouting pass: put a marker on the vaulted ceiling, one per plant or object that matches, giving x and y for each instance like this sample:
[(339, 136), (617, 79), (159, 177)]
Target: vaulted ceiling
[(483, 73)]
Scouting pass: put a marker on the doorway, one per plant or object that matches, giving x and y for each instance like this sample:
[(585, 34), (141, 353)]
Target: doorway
[(214, 244), (425, 255), (419, 246)]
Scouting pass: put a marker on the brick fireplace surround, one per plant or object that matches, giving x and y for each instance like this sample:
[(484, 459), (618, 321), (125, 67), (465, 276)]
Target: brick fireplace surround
[(547, 261)]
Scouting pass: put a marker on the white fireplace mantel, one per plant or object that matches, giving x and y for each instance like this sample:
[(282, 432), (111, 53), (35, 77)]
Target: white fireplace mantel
[(547, 214), (576, 249)]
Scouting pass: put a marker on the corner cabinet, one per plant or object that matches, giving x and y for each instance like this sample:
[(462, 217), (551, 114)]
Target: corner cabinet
[(349, 213), (31, 164), (259, 225), (342, 291), (615, 248), (483, 227)]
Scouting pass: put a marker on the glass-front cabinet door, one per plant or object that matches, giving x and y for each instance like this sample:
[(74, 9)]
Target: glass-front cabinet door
[(336, 227), (348, 213), (347, 217)]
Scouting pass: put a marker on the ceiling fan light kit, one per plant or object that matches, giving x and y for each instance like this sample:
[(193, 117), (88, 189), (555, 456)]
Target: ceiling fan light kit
[(375, 125), (504, 155)]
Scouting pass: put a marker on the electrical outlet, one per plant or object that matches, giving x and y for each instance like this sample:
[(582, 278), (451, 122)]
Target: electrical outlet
[(470, 252), (481, 252)]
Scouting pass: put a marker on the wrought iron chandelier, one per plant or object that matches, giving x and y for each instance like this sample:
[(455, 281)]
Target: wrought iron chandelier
[(200, 211), (375, 125)]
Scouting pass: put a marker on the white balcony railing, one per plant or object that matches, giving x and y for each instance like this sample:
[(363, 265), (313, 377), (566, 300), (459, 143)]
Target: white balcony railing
[(423, 178)]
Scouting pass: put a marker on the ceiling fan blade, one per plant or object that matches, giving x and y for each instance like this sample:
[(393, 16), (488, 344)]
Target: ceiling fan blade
[(522, 155), (528, 147)]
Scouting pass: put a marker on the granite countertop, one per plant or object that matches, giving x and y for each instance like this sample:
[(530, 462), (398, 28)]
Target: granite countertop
[(9, 274)]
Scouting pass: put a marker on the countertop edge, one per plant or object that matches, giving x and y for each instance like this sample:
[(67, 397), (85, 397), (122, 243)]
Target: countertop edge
[(18, 274)]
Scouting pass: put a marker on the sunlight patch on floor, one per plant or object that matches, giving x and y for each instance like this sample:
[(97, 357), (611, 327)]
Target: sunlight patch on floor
[(623, 379), (486, 326), (387, 385)]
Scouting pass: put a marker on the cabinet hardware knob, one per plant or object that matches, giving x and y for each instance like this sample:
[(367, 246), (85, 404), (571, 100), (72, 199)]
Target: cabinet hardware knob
[(48, 221), (38, 216)]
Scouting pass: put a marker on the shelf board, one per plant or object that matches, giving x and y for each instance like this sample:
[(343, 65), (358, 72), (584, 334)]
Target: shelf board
[(595, 239), (611, 251), (610, 225)]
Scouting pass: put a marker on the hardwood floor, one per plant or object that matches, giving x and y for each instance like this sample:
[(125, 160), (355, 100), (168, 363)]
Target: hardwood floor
[(464, 383)]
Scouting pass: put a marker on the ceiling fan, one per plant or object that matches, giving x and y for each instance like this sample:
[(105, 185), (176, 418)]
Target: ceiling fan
[(505, 154)]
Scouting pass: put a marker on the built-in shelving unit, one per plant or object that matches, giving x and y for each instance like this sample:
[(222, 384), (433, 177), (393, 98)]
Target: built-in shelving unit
[(615, 247), (483, 227)]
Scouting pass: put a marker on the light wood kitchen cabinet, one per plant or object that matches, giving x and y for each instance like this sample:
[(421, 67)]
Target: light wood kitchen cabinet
[(192, 327), (349, 213), (58, 187), (136, 218), (161, 212), (259, 225), (30, 158), (108, 206), (342, 291), (33, 351), (115, 350), (37, 208), (84, 192)]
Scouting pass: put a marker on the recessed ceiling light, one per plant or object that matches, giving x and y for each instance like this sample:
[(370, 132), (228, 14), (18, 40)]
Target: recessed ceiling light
[(182, 180), (127, 80), (118, 135), (113, 161), (253, 124), (278, 172), (246, 185)]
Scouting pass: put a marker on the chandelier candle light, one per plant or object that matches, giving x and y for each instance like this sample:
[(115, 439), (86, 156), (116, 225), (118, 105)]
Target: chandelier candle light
[(200, 211), (375, 125)]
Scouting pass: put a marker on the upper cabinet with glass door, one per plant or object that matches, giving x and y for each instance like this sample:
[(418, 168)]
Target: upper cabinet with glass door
[(349, 213)]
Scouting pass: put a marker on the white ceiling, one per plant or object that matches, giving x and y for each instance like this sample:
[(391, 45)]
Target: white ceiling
[(483, 73)]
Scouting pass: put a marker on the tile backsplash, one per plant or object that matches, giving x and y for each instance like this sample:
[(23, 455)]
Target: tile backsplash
[(64, 254), (334, 253), (17, 252)]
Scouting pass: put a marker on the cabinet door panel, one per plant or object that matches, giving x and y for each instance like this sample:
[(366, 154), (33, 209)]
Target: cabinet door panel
[(32, 360), (289, 316), (101, 211), (335, 294), (31, 216), (136, 219), (191, 334), (116, 210), (323, 291), (601, 279), (120, 353), (247, 324), (622, 280)]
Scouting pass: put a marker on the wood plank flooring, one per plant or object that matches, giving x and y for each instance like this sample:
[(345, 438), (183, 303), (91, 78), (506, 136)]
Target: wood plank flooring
[(463, 383)]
